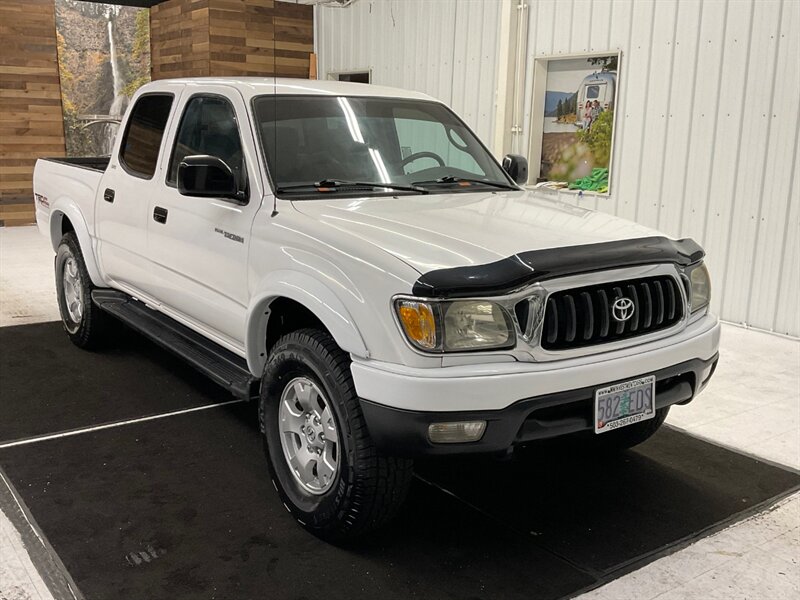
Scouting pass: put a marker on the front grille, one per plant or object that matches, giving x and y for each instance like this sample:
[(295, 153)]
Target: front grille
[(584, 316)]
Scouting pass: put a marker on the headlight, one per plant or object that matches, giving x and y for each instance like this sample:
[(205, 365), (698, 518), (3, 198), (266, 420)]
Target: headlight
[(455, 326), (473, 324), (701, 287)]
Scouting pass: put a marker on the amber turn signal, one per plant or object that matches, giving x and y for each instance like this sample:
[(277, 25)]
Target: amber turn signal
[(418, 322)]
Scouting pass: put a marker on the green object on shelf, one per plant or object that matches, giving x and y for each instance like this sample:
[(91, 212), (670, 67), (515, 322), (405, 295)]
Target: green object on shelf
[(596, 182)]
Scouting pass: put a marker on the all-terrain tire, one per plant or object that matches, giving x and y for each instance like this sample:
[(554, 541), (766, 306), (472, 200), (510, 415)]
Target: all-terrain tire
[(369, 487), (86, 325)]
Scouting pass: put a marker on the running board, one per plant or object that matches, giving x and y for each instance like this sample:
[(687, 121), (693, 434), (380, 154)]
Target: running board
[(221, 365)]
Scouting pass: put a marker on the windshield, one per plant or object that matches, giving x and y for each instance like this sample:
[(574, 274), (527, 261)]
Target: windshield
[(313, 140)]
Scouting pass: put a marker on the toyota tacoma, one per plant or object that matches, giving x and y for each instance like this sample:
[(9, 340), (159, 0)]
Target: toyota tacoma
[(356, 260)]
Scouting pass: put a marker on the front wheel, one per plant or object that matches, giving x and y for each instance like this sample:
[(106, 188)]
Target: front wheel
[(322, 460), (85, 324)]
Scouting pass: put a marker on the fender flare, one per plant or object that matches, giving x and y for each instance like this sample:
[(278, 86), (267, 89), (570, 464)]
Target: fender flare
[(66, 207), (312, 294)]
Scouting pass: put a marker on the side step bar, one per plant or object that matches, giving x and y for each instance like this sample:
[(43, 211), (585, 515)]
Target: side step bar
[(219, 364)]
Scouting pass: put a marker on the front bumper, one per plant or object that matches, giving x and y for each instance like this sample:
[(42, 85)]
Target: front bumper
[(405, 432), (494, 386), (399, 402)]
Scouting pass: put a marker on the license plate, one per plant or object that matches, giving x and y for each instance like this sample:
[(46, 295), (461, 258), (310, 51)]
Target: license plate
[(624, 404)]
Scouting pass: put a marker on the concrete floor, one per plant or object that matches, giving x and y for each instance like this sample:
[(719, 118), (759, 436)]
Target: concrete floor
[(19, 579), (752, 405), (27, 284)]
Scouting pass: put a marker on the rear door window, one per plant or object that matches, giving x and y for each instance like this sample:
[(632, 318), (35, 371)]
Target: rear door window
[(143, 134)]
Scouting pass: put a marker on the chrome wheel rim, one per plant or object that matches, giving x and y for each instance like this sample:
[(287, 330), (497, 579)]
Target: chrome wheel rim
[(73, 290), (309, 437)]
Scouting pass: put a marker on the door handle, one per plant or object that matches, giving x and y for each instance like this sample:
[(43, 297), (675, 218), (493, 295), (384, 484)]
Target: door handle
[(108, 195), (160, 214)]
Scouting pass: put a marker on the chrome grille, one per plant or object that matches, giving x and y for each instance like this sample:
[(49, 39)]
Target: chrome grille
[(584, 316)]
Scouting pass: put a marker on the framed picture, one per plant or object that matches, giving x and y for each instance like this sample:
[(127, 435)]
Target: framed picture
[(573, 121)]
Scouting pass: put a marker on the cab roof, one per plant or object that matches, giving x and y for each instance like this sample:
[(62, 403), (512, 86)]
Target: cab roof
[(256, 86)]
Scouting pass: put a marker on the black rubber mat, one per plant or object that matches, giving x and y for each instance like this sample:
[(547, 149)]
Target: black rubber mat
[(606, 512), (182, 507), (48, 385)]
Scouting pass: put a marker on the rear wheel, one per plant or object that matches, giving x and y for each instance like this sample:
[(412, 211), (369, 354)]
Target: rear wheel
[(85, 324), (322, 460)]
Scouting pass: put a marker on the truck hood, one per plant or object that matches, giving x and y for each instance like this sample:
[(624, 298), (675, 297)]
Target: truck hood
[(442, 231)]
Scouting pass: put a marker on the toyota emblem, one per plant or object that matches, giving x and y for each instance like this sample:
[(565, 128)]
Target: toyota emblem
[(622, 309)]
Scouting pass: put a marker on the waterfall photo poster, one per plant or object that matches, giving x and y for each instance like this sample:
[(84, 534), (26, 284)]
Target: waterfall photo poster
[(103, 58)]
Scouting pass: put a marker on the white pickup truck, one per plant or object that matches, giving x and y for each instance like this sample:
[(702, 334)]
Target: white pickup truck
[(355, 258)]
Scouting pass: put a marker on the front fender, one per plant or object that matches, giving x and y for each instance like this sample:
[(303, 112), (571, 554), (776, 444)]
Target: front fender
[(67, 207), (312, 294)]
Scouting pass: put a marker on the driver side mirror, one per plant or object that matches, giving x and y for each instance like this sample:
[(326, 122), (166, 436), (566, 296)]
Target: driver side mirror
[(517, 168), (208, 177)]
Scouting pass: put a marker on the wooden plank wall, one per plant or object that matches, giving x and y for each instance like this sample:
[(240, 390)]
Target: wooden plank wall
[(189, 38), (31, 121), (179, 39), (231, 38), (260, 37)]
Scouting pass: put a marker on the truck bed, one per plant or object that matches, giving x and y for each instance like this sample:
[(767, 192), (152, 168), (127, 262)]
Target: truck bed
[(93, 163), (60, 183)]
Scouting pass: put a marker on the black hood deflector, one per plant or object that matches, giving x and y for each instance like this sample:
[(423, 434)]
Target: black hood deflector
[(508, 274)]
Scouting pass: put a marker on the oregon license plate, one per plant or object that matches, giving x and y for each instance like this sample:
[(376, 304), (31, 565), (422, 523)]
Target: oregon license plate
[(624, 404)]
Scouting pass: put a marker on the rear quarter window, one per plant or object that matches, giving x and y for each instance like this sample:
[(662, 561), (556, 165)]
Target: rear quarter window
[(143, 134)]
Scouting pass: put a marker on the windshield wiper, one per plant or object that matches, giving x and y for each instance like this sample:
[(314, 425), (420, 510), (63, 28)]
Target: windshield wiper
[(454, 179), (332, 185)]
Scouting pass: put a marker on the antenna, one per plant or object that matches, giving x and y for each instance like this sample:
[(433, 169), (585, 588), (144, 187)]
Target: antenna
[(274, 124)]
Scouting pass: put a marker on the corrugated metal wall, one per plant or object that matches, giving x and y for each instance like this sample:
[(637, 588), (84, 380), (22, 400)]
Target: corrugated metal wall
[(445, 48), (706, 144)]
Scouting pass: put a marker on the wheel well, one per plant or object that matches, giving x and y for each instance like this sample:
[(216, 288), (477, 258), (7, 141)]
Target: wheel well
[(60, 225), (66, 225), (285, 316)]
